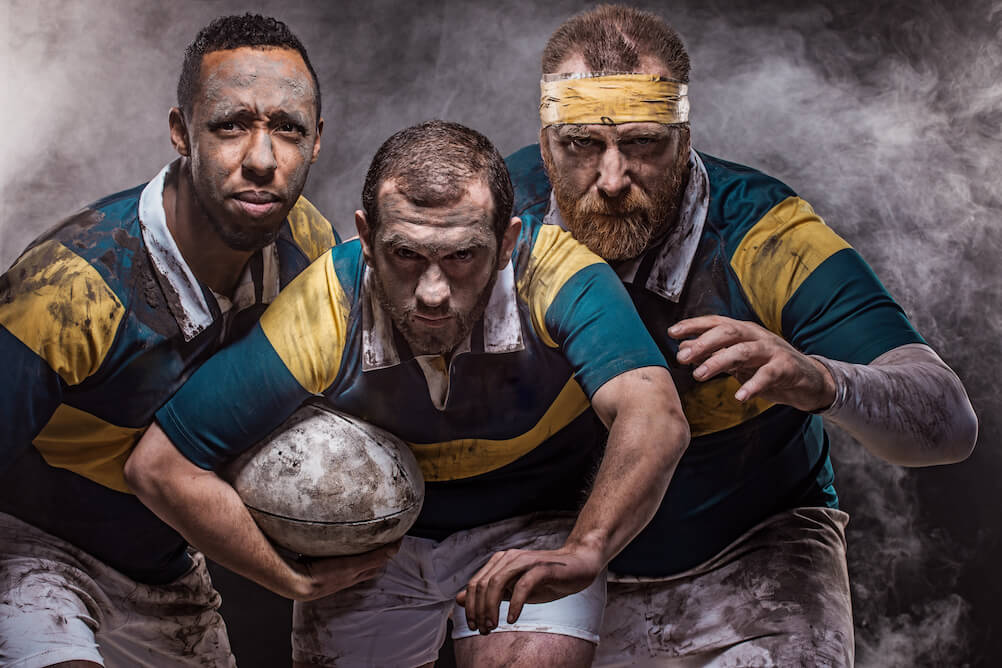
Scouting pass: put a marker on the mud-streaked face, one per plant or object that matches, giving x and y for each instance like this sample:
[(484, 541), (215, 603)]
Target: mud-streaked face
[(251, 138), (434, 267), (617, 186)]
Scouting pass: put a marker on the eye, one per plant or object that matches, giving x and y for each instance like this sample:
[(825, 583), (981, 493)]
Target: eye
[(582, 142), (291, 128), (405, 253), (463, 255), (225, 127)]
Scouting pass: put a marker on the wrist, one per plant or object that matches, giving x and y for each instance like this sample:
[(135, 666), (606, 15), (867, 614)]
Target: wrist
[(592, 546), (832, 388)]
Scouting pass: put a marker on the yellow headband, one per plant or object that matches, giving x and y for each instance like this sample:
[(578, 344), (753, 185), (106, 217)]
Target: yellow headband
[(611, 99)]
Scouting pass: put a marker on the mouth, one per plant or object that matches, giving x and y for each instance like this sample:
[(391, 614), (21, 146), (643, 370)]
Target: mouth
[(432, 321), (257, 203)]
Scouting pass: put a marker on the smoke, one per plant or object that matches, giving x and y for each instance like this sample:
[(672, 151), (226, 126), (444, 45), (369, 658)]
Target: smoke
[(887, 117)]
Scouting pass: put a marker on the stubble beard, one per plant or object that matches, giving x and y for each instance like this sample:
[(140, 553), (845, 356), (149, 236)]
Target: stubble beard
[(429, 342), (246, 237)]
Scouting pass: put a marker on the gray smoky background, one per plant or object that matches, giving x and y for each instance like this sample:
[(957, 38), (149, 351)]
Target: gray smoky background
[(886, 116)]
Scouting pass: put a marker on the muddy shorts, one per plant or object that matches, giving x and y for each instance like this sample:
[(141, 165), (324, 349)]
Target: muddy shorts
[(58, 603), (777, 596), (399, 618)]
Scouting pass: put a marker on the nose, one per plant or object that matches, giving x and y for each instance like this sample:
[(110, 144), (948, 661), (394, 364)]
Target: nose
[(260, 156), (433, 288), (613, 175)]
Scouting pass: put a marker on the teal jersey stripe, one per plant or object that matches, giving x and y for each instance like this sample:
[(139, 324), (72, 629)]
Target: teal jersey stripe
[(591, 310), (739, 197), (842, 311), (213, 400)]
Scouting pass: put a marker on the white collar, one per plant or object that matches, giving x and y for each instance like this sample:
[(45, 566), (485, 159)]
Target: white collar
[(187, 302), (677, 250), (502, 325)]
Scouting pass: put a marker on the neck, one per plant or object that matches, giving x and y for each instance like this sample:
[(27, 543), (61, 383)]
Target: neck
[(210, 259)]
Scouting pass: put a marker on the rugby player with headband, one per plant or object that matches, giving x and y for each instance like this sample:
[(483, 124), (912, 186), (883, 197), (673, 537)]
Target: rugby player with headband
[(772, 325)]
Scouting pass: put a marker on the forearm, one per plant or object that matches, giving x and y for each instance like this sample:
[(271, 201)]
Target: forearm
[(209, 514), (907, 407), (647, 437)]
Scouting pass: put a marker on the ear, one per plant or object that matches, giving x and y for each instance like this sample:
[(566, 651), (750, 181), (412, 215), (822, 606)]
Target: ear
[(316, 143), (508, 242), (178, 132), (362, 225)]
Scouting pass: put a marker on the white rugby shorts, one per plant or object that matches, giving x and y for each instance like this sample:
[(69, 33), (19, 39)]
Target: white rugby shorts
[(58, 603), (399, 618)]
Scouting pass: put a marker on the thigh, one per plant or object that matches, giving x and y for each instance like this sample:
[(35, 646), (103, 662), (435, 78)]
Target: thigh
[(47, 615), (557, 633), (175, 625), (525, 649), (396, 619), (777, 596)]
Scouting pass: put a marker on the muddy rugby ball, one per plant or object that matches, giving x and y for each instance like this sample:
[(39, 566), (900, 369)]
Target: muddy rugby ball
[(327, 484)]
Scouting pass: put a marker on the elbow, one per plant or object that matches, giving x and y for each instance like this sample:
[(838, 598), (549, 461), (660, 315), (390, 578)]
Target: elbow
[(137, 470), (963, 436)]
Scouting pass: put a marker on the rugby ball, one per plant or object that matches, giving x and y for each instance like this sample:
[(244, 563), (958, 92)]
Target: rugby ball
[(328, 484)]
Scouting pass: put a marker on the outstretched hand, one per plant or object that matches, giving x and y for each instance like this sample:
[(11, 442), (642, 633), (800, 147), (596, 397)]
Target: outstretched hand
[(765, 364), (525, 576)]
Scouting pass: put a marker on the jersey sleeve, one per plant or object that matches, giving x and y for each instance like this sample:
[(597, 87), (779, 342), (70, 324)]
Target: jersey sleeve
[(312, 232), (247, 389), (58, 320), (809, 286), (579, 304)]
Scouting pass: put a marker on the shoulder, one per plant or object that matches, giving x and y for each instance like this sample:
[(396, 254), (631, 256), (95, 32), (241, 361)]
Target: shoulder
[(311, 232), (529, 179), (67, 294), (740, 197)]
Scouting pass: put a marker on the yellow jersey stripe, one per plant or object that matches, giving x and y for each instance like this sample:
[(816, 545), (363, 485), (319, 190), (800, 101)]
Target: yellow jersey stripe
[(60, 307), (310, 229), (556, 256), (307, 325), (778, 253), (87, 445), (468, 457), (710, 406)]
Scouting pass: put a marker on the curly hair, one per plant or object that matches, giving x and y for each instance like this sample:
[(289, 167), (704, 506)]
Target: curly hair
[(232, 32), (432, 164), (613, 38)]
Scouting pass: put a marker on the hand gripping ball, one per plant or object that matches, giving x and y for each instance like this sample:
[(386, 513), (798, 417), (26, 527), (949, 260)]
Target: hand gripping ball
[(327, 484)]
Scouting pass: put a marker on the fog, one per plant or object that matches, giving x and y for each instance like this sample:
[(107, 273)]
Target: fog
[(887, 117)]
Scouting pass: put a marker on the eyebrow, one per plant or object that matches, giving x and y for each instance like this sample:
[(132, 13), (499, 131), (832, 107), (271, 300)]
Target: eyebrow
[(572, 132), (397, 240), (243, 112)]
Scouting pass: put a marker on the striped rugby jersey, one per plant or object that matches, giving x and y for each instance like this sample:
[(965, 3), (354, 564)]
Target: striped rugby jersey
[(505, 428), (100, 322), (748, 248)]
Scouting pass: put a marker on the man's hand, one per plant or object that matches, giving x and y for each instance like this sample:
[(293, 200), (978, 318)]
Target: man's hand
[(765, 364), (526, 576), (323, 577)]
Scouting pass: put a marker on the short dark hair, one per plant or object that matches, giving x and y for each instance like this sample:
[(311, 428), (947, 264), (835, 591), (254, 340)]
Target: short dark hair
[(432, 164), (613, 38), (233, 32)]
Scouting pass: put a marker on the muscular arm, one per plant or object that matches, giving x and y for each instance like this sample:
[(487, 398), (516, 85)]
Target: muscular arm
[(207, 511), (907, 407), (647, 435)]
